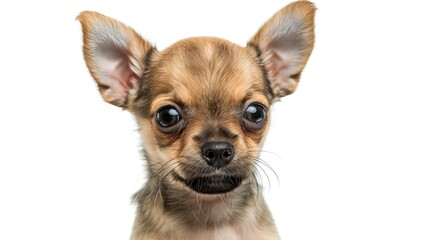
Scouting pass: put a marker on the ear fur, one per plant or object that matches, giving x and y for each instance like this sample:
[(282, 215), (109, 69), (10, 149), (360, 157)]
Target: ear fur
[(285, 42), (114, 54)]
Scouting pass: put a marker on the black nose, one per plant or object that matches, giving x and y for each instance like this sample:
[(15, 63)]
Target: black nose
[(218, 154)]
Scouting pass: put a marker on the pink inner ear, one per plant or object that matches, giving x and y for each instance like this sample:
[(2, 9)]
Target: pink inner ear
[(280, 69), (116, 75), (278, 62), (122, 74)]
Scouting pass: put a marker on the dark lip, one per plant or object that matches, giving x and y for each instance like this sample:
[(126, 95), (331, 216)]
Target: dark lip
[(217, 184)]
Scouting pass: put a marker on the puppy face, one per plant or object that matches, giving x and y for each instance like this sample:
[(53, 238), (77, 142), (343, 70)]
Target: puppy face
[(204, 109), (203, 103)]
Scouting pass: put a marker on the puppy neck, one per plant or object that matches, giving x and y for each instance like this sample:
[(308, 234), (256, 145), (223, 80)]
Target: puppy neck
[(209, 210)]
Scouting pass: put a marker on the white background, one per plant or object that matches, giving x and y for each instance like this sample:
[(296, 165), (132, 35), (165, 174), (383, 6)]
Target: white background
[(350, 147)]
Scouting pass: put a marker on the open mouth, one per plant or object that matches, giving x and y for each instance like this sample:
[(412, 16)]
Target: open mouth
[(212, 184)]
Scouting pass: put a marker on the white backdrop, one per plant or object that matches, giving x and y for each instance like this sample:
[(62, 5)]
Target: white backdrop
[(350, 147)]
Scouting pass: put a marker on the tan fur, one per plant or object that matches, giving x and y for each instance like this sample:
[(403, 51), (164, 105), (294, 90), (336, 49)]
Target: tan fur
[(210, 82)]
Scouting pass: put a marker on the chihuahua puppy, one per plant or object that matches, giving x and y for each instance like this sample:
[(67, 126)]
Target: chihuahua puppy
[(203, 110)]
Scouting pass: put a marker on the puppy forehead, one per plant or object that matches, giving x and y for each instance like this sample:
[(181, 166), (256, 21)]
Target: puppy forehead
[(202, 69)]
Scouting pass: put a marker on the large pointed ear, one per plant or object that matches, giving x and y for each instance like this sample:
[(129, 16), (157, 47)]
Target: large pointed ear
[(285, 43), (114, 54)]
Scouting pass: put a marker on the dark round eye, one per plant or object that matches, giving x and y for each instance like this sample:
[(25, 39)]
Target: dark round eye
[(167, 116), (255, 113)]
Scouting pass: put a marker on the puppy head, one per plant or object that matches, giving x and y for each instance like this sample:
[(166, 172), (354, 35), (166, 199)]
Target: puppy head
[(202, 104)]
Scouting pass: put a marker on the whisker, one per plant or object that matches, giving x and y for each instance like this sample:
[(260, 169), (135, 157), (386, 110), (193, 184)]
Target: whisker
[(199, 205), (260, 160), (159, 175), (257, 186), (170, 163)]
